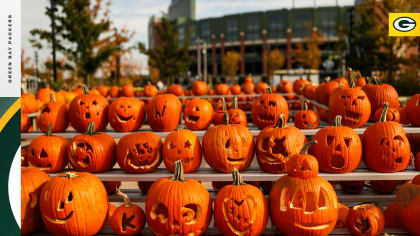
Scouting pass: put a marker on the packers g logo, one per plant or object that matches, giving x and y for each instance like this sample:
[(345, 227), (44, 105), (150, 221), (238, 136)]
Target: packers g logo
[(404, 24)]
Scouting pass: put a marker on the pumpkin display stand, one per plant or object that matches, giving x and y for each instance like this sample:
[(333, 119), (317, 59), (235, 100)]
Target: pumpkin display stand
[(206, 175)]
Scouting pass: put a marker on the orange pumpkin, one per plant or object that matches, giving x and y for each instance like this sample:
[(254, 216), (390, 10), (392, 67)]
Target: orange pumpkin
[(309, 91), (114, 91), (28, 103), (393, 114), (306, 119), (111, 209), (261, 87), (198, 114), (236, 115), (413, 110), (126, 114), (221, 89), (343, 210), (150, 90), (365, 220), (248, 87), (267, 107), (324, 91), (103, 90), (286, 86), (218, 116), (299, 84), (25, 122), (408, 200), (127, 90), (176, 89), (199, 88), (54, 113), (44, 94), (391, 216), (235, 89), (163, 112)]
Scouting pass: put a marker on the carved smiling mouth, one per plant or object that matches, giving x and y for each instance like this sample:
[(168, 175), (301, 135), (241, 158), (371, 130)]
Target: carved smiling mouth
[(235, 159), (193, 119), (59, 220), (352, 116), (138, 165), (312, 227), (124, 119), (398, 160)]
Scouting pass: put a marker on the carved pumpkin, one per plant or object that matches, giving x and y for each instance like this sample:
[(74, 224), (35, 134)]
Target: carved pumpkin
[(150, 90), (144, 186), (339, 148), (391, 216), (240, 209), (127, 90), (261, 88), (111, 186), (31, 182), (286, 86), (219, 114), (306, 119), (298, 85), (276, 144), (408, 200), (393, 114), (114, 91), (235, 89), (386, 147), (126, 114), (190, 214), (139, 153), (127, 219), (25, 123), (352, 187), (198, 114), (163, 112), (48, 152), (199, 88), (221, 89), (74, 203), (236, 115), (302, 203), (227, 146), (54, 113), (28, 103), (44, 94), (384, 186), (343, 210), (92, 151), (182, 145), (267, 107), (413, 110), (86, 108), (365, 220)]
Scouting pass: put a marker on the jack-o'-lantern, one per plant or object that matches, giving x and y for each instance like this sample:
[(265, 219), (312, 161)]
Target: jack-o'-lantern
[(393, 114), (384, 186), (413, 109), (199, 88), (365, 220), (227, 146), (343, 210), (32, 181), (163, 112), (391, 216), (236, 115), (386, 147), (198, 114), (240, 209), (303, 203), (286, 86), (74, 204), (352, 187), (126, 114), (267, 107), (92, 151), (306, 119), (182, 145), (139, 153), (408, 200), (128, 219), (220, 112), (276, 144), (86, 108), (339, 148), (48, 152), (54, 113), (190, 214)]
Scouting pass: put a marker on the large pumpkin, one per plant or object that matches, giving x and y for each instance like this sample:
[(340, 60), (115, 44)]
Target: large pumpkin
[(240, 209), (92, 151), (302, 203), (408, 200), (190, 214), (386, 147), (48, 152), (128, 219), (338, 148), (236, 115), (139, 152), (365, 220), (163, 112), (32, 181), (126, 114), (198, 114), (306, 119), (227, 146), (54, 113), (276, 144), (86, 108), (267, 107), (199, 88), (74, 204), (413, 109), (28, 103)]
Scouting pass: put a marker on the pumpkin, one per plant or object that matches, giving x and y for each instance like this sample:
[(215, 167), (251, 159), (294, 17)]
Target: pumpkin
[(343, 81), (361, 81), (48, 152), (126, 114), (182, 145), (199, 88), (298, 85), (114, 91), (221, 89), (54, 113), (70, 96), (74, 204), (286, 86), (339, 148), (23, 159), (32, 181), (303, 203), (111, 209), (276, 144), (306, 119), (127, 219), (393, 114), (28, 103), (309, 91), (267, 107), (240, 208), (163, 112), (413, 110), (176, 89), (144, 186), (190, 214), (391, 216), (236, 115), (25, 123), (261, 88), (403, 116), (365, 220), (127, 90), (235, 89), (86, 108), (217, 185), (103, 90), (379, 93), (343, 210), (219, 114), (352, 187), (227, 146), (386, 147), (44, 94), (111, 186), (248, 87), (79, 90), (92, 151), (408, 200), (139, 152), (324, 90), (198, 114), (150, 90), (384, 186)]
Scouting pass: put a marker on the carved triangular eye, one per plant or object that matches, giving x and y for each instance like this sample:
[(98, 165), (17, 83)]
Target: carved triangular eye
[(323, 199), (171, 145), (196, 108), (227, 145), (347, 141), (297, 201)]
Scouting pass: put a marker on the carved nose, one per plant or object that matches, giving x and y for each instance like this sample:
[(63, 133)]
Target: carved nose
[(354, 102), (60, 206), (337, 148), (179, 152)]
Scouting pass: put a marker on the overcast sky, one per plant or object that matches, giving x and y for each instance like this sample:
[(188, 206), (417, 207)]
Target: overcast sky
[(134, 14)]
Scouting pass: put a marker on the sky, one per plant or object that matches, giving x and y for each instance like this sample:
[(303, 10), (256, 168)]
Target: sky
[(135, 14)]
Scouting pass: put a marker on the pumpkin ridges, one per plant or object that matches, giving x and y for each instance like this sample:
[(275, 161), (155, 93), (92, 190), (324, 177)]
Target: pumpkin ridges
[(408, 200), (205, 114), (55, 113), (126, 114), (124, 215), (365, 219), (163, 112)]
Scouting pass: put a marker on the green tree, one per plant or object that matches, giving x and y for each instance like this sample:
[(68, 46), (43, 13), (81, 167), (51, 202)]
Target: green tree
[(309, 55), (230, 63), (274, 61), (84, 35), (169, 57)]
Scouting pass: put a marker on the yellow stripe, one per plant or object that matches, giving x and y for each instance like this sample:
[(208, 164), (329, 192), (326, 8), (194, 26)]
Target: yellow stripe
[(9, 113)]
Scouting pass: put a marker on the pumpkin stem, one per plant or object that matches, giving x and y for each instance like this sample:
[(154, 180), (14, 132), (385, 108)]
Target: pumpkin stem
[(384, 111), (327, 79), (127, 201), (269, 90), (235, 103), (305, 105), (49, 130), (223, 104), (85, 89), (91, 129), (226, 118), (70, 175), (179, 171), (307, 146), (281, 121), (412, 159), (350, 77), (376, 80), (52, 97), (237, 179), (337, 120)]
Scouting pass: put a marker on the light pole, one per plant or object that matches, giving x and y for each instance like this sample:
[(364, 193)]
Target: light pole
[(52, 10), (197, 43), (205, 60)]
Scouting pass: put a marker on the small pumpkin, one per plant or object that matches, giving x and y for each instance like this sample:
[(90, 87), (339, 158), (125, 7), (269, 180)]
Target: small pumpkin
[(235, 89), (221, 89), (413, 109), (199, 88), (163, 112), (343, 210), (127, 90), (309, 91), (248, 86), (103, 90), (111, 186), (28, 103), (126, 114), (384, 186), (391, 216), (54, 113), (286, 86), (236, 115), (352, 187), (393, 114), (198, 114), (219, 114), (150, 90), (261, 87), (175, 89), (92, 151), (25, 123), (306, 119), (299, 84), (267, 107), (365, 220), (114, 91), (408, 200)]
